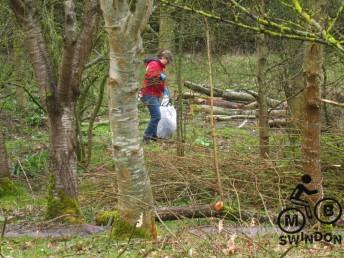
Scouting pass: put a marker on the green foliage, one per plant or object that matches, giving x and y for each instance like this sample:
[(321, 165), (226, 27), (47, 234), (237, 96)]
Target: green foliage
[(34, 163), (7, 187)]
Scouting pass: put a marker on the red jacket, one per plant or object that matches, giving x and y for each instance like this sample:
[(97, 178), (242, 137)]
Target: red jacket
[(152, 85)]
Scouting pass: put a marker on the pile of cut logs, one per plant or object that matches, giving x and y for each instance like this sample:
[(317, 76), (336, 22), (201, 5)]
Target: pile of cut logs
[(230, 104)]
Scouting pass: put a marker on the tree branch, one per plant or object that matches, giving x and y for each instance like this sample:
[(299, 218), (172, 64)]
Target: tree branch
[(141, 15), (26, 16), (267, 26), (70, 38), (85, 41)]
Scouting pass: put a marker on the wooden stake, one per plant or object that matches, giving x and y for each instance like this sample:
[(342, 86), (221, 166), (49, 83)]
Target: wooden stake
[(212, 120)]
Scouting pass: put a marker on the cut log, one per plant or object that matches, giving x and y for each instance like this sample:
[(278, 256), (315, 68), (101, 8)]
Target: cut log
[(195, 211), (232, 112), (230, 95), (218, 102), (192, 94), (278, 122), (203, 211), (202, 89), (252, 105), (234, 117)]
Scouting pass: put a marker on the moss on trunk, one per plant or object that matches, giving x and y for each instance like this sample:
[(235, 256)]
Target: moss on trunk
[(121, 229), (60, 204), (7, 187)]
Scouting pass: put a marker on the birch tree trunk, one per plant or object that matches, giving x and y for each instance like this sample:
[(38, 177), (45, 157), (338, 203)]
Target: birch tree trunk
[(60, 95), (124, 29), (263, 116), (312, 65)]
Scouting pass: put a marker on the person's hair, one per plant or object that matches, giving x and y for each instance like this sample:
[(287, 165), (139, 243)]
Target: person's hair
[(167, 54)]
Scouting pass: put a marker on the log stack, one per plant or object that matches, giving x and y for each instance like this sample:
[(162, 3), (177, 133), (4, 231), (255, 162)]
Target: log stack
[(231, 104)]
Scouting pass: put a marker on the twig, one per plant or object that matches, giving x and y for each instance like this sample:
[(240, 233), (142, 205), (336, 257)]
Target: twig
[(126, 247), (2, 235), (287, 251), (237, 195), (30, 95), (331, 102), (212, 120), (26, 178)]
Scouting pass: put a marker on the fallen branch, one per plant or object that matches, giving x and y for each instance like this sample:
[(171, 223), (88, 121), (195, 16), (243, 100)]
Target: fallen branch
[(232, 112), (276, 122), (195, 211), (218, 102), (331, 102), (228, 118)]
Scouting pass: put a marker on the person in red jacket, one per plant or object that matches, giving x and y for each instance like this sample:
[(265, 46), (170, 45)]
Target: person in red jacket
[(153, 88)]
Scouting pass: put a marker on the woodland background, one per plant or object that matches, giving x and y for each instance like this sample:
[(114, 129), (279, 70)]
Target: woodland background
[(64, 143)]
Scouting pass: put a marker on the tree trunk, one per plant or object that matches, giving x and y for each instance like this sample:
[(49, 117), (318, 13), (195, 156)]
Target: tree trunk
[(4, 170), (294, 86), (166, 28), (6, 185), (21, 99), (312, 65), (312, 121), (135, 198), (180, 107), (59, 96), (62, 198), (263, 116)]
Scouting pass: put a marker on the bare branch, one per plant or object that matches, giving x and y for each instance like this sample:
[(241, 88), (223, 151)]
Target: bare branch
[(108, 12), (26, 16), (70, 37), (333, 22), (267, 26), (85, 41), (141, 15)]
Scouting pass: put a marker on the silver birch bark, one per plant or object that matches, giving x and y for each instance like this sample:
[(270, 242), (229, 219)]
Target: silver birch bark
[(124, 29)]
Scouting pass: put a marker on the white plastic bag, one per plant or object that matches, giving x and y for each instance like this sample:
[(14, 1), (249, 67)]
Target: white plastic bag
[(168, 122)]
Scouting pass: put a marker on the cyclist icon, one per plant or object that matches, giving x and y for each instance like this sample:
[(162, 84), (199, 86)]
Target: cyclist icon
[(295, 196), (292, 220)]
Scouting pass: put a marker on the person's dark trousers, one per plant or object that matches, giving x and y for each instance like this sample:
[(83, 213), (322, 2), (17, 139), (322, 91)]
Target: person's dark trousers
[(153, 105)]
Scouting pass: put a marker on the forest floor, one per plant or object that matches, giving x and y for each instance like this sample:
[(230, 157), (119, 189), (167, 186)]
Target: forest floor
[(255, 193)]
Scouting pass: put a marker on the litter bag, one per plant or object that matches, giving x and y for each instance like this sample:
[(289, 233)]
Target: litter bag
[(168, 122)]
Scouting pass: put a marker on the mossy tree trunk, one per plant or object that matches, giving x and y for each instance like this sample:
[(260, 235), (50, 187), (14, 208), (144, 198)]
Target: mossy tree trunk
[(263, 116), (6, 184), (4, 170), (313, 76), (124, 29), (59, 91)]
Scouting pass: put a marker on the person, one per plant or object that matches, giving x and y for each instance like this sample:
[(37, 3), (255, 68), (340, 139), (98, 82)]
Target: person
[(295, 196), (153, 89)]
